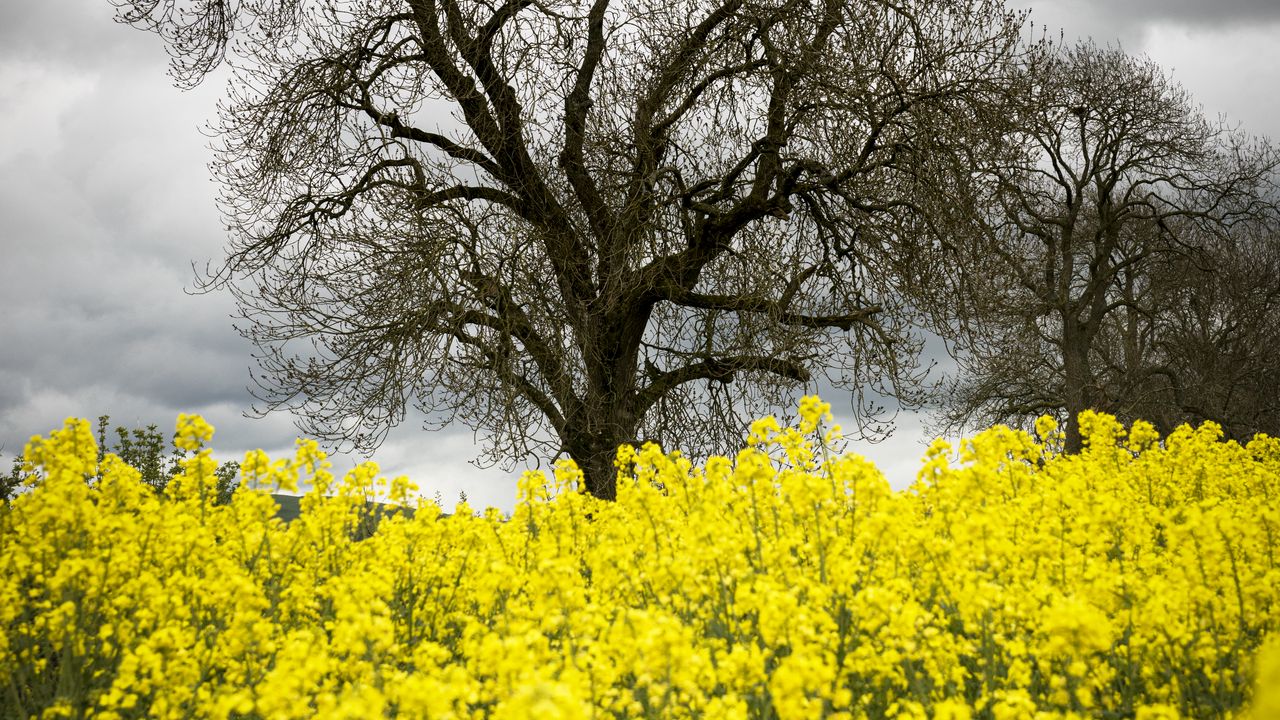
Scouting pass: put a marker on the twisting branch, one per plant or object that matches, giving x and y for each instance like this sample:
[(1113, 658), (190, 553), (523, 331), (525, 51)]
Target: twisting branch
[(722, 370)]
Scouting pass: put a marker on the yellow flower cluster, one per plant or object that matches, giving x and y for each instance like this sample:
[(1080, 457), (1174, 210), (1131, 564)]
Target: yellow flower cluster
[(1136, 579)]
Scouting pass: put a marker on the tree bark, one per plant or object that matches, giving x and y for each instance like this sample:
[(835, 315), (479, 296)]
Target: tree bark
[(601, 476), (594, 454), (1076, 379)]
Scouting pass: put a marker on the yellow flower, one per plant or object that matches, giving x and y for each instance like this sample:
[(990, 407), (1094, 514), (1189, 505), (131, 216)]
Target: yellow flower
[(1266, 692), (763, 430), (1016, 582), (1045, 426), (192, 432), (813, 411)]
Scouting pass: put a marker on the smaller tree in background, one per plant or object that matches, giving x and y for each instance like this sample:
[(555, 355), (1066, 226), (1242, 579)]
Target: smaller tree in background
[(1210, 336), (1101, 249), (11, 484), (143, 449)]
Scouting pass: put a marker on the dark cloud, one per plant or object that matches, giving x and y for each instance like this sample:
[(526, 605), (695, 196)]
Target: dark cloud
[(1126, 22), (1222, 53), (1198, 13), (105, 202)]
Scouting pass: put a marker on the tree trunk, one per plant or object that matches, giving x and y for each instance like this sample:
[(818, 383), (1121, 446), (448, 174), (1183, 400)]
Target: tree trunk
[(1075, 366), (594, 455), (607, 418), (601, 476), (592, 439)]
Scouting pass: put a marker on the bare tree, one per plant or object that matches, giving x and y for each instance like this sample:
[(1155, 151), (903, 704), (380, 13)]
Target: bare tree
[(1208, 335), (1113, 178), (573, 225)]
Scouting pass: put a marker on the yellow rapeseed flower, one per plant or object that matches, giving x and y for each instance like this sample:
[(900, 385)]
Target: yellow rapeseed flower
[(1011, 580)]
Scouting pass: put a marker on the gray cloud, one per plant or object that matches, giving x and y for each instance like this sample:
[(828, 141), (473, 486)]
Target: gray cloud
[(1223, 53), (80, 32), (1128, 22), (1197, 13), (105, 203)]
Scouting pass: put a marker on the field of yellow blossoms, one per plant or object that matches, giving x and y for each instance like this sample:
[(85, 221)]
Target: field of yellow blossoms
[(1137, 579)]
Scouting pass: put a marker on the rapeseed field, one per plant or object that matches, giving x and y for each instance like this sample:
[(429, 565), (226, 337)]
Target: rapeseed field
[(1137, 579)]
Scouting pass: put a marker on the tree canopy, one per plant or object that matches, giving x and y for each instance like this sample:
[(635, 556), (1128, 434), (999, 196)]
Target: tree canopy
[(571, 225)]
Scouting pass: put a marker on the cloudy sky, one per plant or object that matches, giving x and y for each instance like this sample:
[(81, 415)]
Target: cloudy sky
[(105, 203)]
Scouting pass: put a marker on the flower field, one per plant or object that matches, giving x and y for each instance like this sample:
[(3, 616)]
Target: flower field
[(1137, 579)]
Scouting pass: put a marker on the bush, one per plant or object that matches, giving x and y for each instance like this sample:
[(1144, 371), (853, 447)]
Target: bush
[(1136, 579)]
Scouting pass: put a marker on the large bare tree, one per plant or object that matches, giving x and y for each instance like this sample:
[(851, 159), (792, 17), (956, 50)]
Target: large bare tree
[(1060, 297), (572, 225)]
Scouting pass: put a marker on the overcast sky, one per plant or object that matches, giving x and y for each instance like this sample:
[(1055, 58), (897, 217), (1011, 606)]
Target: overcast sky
[(105, 203)]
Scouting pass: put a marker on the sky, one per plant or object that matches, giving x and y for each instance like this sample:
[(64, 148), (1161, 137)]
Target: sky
[(106, 205)]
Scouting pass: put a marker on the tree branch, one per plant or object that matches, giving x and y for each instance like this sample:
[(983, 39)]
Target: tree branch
[(774, 309), (722, 370)]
